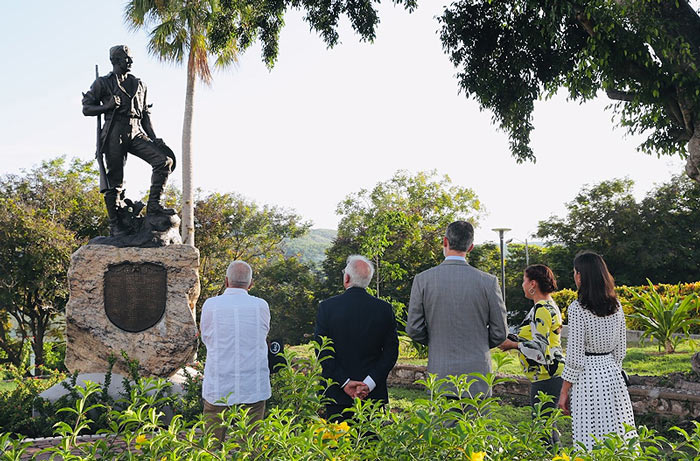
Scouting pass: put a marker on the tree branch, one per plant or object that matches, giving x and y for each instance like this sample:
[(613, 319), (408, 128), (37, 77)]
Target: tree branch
[(618, 95)]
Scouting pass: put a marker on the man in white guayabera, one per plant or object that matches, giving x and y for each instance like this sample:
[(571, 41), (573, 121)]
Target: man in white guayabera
[(234, 330)]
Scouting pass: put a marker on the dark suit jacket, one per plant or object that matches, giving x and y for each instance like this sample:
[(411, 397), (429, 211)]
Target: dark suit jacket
[(363, 330)]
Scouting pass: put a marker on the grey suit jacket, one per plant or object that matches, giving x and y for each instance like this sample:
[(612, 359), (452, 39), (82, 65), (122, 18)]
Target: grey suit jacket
[(458, 311)]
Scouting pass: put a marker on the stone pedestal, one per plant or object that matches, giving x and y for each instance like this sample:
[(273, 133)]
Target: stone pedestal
[(145, 309)]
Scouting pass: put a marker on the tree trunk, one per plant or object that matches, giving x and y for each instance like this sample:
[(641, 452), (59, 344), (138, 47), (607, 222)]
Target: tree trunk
[(669, 347), (692, 166), (38, 347), (187, 189)]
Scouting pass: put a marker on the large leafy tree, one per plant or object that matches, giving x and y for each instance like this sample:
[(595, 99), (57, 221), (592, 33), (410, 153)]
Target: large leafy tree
[(644, 54), (245, 21), (670, 216), (230, 227), (603, 218), (289, 287), (399, 225), (657, 238), (45, 215), (178, 31)]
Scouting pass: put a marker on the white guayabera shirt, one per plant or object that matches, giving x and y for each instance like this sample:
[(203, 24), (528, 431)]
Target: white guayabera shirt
[(234, 328)]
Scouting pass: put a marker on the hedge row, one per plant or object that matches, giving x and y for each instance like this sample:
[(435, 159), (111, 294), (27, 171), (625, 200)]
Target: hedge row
[(629, 303)]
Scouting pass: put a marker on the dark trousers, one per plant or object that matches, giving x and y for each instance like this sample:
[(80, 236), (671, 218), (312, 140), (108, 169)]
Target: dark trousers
[(334, 412), (551, 387), (128, 137)]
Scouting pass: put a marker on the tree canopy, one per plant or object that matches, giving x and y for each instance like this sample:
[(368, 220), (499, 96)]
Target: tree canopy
[(399, 225), (656, 238), (45, 215), (645, 55), (245, 21)]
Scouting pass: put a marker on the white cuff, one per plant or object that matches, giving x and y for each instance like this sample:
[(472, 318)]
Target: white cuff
[(370, 383), (346, 381)]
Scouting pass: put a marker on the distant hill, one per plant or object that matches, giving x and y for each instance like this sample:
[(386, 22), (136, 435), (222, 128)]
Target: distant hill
[(311, 248)]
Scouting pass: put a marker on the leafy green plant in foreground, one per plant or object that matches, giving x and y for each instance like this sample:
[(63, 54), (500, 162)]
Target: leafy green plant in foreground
[(435, 427)]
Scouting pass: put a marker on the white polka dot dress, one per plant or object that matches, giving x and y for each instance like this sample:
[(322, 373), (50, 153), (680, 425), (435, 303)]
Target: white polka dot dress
[(600, 403)]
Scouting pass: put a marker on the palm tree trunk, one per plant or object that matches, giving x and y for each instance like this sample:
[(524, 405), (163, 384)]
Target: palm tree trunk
[(187, 228), (669, 347)]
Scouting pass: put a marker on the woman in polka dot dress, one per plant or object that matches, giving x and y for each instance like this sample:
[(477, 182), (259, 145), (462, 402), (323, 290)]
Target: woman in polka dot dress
[(594, 391)]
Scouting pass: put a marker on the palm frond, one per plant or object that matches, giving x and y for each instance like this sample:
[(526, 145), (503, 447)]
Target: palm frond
[(168, 41), (198, 46)]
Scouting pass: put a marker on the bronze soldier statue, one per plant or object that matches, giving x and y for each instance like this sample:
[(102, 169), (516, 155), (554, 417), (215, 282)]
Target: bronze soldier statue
[(121, 97)]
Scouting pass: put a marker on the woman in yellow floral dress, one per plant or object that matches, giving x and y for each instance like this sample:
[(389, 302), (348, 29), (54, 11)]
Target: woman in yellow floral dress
[(538, 337)]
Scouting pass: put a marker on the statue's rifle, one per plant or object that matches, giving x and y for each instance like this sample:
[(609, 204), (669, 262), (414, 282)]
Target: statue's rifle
[(104, 182)]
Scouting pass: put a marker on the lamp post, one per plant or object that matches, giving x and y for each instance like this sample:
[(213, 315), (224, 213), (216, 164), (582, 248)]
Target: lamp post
[(501, 231)]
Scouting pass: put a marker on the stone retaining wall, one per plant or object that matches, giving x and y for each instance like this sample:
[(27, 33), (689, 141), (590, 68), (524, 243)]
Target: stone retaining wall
[(667, 396)]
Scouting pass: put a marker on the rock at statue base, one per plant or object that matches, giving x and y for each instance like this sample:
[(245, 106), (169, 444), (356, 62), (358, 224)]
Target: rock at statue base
[(116, 389), (137, 300)]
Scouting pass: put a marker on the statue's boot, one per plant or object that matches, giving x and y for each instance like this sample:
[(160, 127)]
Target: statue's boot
[(116, 228), (157, 185)]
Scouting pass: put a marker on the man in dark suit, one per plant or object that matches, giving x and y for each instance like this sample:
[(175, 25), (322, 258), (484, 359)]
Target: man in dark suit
[(365, 342)]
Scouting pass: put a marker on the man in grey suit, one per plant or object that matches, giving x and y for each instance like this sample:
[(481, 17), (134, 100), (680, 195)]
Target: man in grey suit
[(458, 311)]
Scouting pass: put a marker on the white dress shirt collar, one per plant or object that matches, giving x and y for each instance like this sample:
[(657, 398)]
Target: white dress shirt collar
[(455, 258), (235, 291)]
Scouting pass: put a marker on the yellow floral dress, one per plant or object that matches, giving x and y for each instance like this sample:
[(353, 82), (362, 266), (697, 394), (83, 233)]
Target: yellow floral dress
[(539, 342)]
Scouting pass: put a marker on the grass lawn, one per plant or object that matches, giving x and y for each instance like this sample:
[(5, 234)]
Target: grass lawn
[(6, 386), (640, 360), (403, 399), (646, 360)]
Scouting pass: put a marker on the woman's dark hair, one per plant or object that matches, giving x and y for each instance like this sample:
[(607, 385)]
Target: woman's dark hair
[(597, 290), (544, 277)]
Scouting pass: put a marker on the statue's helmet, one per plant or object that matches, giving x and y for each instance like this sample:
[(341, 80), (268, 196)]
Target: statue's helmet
[(118, 51)]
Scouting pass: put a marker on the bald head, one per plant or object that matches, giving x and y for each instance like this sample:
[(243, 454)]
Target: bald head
[(239, 275), (358, 272)]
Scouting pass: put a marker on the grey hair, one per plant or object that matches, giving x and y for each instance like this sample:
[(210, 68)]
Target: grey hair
[(360, 270), (239, 274)]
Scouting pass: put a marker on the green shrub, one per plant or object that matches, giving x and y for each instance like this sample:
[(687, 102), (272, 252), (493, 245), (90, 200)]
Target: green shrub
[(564, 298), (436, 427), (667, 319), (16, 404), (55, 355), (630, 302)]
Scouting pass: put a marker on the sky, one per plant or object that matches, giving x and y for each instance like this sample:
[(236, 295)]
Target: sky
[(322, 124)]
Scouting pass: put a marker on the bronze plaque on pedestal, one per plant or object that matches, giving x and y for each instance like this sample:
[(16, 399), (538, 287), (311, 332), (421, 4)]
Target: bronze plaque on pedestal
[(135, 295)]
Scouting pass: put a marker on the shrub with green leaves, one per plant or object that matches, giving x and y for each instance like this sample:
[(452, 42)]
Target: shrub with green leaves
[(667, 319), (16, 404), (436, 427)]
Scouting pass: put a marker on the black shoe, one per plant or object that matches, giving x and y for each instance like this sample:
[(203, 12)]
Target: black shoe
[(157, 208), (117, 230)]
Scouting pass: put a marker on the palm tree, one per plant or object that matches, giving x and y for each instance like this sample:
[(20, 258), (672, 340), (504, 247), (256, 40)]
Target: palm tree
[(179, 28)]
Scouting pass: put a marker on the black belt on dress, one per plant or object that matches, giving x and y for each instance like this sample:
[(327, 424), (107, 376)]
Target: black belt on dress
[(597, 354)]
